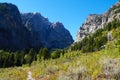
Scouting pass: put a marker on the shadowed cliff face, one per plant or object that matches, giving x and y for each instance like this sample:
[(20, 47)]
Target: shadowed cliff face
[(30, 30), (51, 35), (12, 32), (95, 21), (59, 36)]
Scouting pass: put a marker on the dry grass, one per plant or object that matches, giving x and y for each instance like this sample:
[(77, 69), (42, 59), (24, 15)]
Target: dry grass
[(101, 65)]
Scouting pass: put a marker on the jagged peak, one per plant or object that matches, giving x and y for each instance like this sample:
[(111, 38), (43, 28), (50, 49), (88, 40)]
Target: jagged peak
[(5, 3), (117, 3), (114, 6), (31, 13), (30, 30), (57, 24), (96, 21), (94, 15), (35, 15)]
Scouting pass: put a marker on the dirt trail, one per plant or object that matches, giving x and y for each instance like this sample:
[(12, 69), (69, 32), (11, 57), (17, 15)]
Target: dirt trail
[(29, 76)]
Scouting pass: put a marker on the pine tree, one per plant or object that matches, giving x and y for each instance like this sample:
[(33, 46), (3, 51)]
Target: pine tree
[(31, 55), (43, 53)]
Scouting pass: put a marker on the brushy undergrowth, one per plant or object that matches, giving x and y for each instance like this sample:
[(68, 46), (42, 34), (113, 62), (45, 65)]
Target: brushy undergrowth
[(104, 64)]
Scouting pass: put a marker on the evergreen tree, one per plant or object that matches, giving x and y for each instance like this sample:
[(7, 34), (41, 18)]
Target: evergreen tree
[(32, 55), (56, 54), (43, 53)]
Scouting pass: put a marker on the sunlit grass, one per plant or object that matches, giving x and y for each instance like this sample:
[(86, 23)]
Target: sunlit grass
[(73, 65)]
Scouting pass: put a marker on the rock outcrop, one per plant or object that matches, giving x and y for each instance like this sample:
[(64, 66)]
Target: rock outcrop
[(30, 30), (95, 21), (12, 32), (59, 36), (51, 35)]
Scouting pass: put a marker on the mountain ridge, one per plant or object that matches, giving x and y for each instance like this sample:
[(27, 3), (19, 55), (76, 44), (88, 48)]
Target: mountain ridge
[(48, 32), (96, 21), (30, 30)]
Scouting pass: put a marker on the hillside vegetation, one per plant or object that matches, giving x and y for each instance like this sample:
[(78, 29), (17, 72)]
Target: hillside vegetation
[(96, 57)]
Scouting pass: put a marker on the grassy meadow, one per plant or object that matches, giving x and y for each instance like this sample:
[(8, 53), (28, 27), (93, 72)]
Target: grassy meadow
[(103, 64)]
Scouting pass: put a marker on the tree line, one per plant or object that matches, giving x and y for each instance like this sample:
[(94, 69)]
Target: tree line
[(90, 43), (97, 40), (11, 59)]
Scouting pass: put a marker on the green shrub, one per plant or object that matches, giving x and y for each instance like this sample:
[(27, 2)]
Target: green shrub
[(56, 54)]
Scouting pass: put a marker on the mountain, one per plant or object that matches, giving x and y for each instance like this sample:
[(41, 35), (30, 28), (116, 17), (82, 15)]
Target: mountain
[(30, 30), (96, 21), (51, 35), (12, 32)]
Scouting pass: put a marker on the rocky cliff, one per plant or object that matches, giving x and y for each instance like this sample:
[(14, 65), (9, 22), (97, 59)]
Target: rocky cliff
[(95, 21), (12, 32), (30, 30), (51, 35)]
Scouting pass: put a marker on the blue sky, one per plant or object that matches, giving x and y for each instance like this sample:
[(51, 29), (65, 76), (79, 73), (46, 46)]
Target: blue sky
[(72, 13)]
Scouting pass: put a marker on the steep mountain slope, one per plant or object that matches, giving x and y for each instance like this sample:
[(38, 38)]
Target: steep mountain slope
[(95, 21), (51, 35), (30, 30), (12, 32)]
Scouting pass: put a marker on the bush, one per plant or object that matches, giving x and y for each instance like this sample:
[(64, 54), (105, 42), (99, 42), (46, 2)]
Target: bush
[(112, 25), (56, 54)]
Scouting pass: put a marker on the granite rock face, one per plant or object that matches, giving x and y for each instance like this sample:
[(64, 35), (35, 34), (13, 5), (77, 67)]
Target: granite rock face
[(95, 21), (30, 30), (59, 36), (50, 35), (12, 32)]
